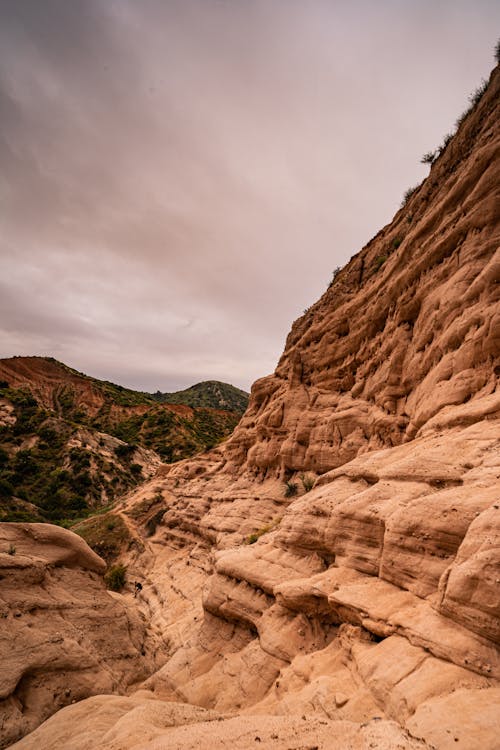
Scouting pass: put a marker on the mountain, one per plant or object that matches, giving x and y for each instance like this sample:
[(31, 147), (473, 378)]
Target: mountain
[(209, 393), (328, 576), (70, 443)]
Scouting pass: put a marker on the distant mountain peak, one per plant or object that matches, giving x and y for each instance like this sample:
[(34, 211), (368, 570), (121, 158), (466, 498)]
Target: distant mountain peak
[(209, 393)]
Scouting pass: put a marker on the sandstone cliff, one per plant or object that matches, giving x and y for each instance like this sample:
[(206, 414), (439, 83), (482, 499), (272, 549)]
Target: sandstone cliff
[(369, 603), (409, 329)]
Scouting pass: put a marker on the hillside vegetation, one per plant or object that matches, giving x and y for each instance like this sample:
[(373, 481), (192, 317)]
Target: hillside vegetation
[(210, 393), (70, 443)]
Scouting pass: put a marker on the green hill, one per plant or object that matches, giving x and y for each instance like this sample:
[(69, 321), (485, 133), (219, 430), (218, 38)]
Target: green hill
[(210, 393), (70, 443)]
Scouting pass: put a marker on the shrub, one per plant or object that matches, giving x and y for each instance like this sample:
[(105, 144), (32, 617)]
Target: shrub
[(461, 118), (66, 399), (124, 450), (380, 261), (497, 51), (81, 482), (25, 464), (477, 95), (447, 138), (136, 470), (307, 482), (429, 158), (407, 194), (252, 538), (12, 549), (79, 457), (474, 100), (290, 489), (115, 577), (20, 397), (107, 542), (396, 242), (6, 488), (335, 273)]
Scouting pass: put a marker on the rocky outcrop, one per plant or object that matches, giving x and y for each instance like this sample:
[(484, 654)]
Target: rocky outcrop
[(63, 637), (143, 723), (409, 329), (376, 592), (323, 614)]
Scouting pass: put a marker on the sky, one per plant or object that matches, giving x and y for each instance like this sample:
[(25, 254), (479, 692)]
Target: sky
[(179, 178)]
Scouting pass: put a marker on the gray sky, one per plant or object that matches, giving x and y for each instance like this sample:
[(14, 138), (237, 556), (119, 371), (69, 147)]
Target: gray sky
[(179, 178)]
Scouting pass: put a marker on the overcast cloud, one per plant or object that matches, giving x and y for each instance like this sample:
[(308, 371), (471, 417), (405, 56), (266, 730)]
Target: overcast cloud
[(179, 178)]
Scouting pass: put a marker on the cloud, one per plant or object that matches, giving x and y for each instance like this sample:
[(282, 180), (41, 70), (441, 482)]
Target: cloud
[(178, 179)]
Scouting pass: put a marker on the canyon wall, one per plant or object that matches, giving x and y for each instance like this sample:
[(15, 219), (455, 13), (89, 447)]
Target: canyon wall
[(409, 329), (376, 592), (368, 601)]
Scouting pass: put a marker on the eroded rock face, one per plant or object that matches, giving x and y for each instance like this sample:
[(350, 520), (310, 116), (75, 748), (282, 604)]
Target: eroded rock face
[(373, 597), (143, 723), (409, 328), (63, 637), (377, 592)]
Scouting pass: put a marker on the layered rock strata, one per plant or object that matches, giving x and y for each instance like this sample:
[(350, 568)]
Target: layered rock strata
[(409, 329), (373, 597), (376, 593)]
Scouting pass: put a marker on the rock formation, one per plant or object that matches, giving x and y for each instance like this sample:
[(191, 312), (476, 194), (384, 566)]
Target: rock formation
[(363, 611), (63, 636)]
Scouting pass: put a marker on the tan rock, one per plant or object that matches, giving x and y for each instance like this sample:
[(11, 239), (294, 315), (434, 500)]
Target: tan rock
[(63, 637), (464, 718), (142, 723), (374, 594), (470, 587)]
